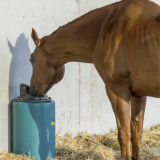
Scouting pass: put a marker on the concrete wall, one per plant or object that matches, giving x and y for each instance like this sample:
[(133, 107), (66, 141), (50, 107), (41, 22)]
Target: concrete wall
[(81, 101)]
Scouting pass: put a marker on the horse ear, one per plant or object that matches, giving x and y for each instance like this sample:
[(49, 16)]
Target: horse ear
[(42, 40), (35, 37)]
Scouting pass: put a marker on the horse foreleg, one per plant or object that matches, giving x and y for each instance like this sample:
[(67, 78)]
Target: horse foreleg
[(137, 114), (120, 105)]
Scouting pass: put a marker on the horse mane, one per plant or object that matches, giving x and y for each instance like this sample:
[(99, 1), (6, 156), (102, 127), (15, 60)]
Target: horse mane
[(88, 13)]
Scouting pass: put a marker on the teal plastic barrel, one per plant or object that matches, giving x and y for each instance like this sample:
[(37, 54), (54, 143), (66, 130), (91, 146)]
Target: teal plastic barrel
[(33, 129)]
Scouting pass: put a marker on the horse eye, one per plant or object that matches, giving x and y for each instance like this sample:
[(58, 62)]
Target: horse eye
[(31, 61)]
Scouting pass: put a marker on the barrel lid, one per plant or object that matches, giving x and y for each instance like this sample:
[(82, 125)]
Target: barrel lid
[(26, 97)]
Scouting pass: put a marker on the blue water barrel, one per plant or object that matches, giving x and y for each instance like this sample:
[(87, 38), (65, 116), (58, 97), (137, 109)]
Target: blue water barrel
[(33, 129)]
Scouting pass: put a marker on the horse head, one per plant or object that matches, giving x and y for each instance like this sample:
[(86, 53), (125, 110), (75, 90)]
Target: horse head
[(45, 72)]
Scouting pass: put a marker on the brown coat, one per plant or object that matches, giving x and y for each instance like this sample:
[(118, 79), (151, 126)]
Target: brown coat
[(122, 40)]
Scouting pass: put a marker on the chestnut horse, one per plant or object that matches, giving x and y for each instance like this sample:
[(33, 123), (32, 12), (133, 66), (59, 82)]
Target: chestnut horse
[(122, 40)]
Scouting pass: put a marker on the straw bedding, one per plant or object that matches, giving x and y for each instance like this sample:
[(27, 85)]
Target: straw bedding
[(87, 146)]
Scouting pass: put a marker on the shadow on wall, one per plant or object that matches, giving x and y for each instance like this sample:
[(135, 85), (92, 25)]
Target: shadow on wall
[(20, 72)]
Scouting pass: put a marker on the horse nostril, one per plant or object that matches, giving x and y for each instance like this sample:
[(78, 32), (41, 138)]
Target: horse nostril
[(31, 90)]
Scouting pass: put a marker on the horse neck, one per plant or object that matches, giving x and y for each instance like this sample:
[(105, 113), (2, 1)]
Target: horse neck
[(76, 41)]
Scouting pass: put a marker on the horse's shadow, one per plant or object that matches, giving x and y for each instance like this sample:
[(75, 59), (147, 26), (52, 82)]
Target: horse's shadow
[(20, 72)]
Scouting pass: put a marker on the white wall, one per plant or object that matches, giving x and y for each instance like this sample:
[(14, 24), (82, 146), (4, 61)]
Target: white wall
[(81, 101)]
